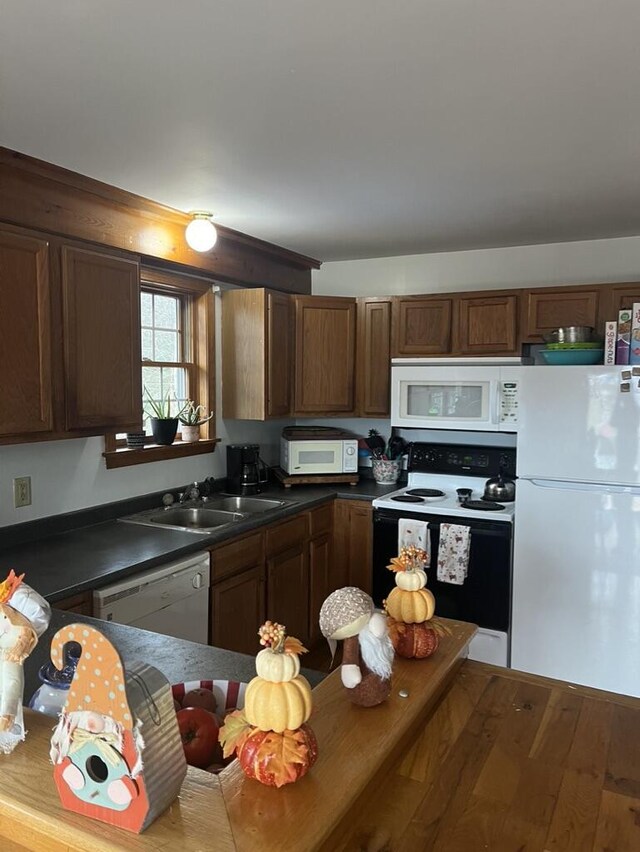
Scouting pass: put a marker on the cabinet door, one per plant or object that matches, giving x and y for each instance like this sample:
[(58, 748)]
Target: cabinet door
[(617, 297), (544, 310), (25, 335), (488, 325), (320, 578), (421, 326), (341, 532), (288, 591), (360, 545), (237, 610), (373, 362), (81, 604), (280, 354), (325, 355), (101, 301)]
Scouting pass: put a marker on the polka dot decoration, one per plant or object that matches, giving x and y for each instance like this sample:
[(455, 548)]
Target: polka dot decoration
[(99, 682)]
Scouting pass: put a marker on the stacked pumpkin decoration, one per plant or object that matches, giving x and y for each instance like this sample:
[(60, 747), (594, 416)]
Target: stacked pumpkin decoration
[(270, 736), (410, 607)]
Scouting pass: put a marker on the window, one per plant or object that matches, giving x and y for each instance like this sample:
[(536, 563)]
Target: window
[(176, 328)]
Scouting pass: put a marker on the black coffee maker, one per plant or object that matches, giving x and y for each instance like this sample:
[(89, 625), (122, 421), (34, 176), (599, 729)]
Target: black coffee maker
[(246, 472)]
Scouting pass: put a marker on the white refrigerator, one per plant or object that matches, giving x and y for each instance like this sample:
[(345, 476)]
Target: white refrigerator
[(576, 583)]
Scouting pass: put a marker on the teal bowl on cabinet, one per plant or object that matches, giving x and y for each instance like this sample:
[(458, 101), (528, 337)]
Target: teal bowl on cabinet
[(572, 357)]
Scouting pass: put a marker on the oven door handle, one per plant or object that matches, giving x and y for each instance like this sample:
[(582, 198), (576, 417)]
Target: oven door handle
[(476, 532)]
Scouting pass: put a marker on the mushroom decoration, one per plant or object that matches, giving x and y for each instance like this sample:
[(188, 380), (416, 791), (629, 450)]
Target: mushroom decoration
[(24, 617), (270, 737), (410, 607), (348, 615)]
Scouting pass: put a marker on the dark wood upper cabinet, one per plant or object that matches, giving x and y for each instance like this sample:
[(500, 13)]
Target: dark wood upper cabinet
[(549, 308), (280, 354), (373, 359), (421, 326), (615, 298), (25, 335), (487, 325), (325, 355), (101, 328)]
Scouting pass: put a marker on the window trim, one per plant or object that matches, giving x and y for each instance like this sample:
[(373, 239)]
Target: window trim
[(202, 372)]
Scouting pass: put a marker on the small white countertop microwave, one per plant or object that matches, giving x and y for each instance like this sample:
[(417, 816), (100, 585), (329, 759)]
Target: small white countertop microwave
[(308, 456), (458, 393)]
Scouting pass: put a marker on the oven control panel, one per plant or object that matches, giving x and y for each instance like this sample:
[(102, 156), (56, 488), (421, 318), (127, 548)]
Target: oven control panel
[(460, 458)]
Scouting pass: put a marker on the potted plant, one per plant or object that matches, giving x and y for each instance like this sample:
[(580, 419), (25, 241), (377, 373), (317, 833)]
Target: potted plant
[(192, 417), (163, 425)]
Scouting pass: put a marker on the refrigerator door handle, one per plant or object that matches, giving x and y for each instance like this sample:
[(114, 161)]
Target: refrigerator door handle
[(601, 487)]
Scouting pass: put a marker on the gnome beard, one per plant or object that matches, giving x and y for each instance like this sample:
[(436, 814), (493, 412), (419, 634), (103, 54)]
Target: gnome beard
[(376, 651)]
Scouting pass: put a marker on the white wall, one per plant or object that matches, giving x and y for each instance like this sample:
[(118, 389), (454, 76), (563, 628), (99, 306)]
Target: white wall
[(591, 261), (70, 475)]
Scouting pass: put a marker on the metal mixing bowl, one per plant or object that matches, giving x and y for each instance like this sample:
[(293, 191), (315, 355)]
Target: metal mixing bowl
[(569, 334)]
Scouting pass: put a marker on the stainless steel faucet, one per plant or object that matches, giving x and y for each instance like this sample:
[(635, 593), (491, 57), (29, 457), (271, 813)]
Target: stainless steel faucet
[(191, 492)]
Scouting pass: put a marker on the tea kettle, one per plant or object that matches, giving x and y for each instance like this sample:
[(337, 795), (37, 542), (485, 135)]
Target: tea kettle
[(499, 489)]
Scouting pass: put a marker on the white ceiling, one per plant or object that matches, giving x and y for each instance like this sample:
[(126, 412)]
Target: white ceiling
[(346, 129)]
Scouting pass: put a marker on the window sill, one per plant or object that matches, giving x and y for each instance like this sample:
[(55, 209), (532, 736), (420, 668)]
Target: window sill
[(124, 457)]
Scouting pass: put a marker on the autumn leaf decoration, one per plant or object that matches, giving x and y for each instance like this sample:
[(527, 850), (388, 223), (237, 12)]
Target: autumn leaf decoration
[(273, 635), (409, 559), (234, 732), (282, 752)]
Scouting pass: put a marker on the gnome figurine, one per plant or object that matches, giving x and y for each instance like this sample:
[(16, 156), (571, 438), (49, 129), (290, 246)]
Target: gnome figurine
[(367, 654)]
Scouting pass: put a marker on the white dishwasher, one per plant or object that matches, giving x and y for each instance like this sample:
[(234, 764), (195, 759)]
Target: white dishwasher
[(172, 599)]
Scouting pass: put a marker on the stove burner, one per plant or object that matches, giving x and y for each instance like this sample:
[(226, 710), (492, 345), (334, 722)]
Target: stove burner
[(483, 505), (407, 498), (425, 492)]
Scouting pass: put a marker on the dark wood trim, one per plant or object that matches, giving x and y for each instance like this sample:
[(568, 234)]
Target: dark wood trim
[(125, 457), (40, 195)]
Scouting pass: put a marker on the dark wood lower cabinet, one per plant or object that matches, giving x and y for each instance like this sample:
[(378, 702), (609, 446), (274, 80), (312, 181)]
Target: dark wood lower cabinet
[(321, 581), (237, 610), (81, 603), (353, 544), (288, 591)]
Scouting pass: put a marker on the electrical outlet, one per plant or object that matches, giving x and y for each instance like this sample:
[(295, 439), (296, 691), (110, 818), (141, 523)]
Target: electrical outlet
[(22, 491)]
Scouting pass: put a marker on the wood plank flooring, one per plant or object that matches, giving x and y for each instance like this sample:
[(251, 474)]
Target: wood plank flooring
[(512, 763)]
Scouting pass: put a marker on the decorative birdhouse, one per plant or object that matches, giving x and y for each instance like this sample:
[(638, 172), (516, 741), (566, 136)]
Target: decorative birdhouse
[(116, 751)]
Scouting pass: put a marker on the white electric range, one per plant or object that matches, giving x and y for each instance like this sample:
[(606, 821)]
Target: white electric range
[(436, 473)]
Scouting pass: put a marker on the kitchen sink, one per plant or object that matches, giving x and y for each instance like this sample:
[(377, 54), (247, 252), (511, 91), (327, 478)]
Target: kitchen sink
[(246, 505), (197, 519)]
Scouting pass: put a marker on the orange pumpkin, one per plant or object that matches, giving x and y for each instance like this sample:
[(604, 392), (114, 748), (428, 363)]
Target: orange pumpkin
[(260, 755), (410, 606), (413, 641), (277, 706)]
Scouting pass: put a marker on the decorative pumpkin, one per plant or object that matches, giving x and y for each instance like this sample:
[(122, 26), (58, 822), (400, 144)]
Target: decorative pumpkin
[(411, 581), (413, 640), (277, 706), (277, 666), (411, 607), (263, 755)]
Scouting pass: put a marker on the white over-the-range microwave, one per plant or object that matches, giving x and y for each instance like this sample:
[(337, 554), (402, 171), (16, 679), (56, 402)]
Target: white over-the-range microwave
[(460, 394), (300, 456)]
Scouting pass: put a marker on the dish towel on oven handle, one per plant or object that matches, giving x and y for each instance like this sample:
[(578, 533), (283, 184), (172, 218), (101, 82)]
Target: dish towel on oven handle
[(413, 533), (453, 553)]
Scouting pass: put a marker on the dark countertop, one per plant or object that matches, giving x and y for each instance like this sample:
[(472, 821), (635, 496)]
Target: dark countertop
[(92, 556), (177, 659)]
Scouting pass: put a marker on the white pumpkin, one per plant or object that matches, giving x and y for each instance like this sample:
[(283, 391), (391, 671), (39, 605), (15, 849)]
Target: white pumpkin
[(411, 581), (277, 666)]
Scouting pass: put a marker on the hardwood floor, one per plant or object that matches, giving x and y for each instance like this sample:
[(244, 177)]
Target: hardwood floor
[(512, 762)]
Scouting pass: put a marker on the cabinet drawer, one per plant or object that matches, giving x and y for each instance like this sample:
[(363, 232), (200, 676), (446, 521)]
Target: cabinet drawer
[(321, 519), (286, 535), (238, 555)]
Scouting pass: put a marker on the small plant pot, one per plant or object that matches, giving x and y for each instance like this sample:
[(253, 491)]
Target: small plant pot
[(164, 431), (135, 440), (386, 472), (190, 434)]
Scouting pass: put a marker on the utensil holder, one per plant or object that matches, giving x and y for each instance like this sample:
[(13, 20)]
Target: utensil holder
[(386, 472)]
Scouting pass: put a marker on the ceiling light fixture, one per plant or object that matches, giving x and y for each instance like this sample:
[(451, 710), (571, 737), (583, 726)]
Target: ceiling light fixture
[(201, 233)]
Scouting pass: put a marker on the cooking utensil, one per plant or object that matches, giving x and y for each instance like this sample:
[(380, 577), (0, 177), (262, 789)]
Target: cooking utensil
[(572, 356), (569, 334), (499, 489)]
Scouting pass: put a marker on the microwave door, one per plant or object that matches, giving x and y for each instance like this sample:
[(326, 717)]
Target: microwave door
[(315, 457)]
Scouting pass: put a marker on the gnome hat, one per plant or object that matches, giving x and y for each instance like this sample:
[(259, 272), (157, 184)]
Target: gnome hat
[(99, 681), (344, 613)]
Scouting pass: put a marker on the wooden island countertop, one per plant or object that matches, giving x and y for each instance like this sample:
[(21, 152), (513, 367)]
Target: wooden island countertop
[(474, 758)]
